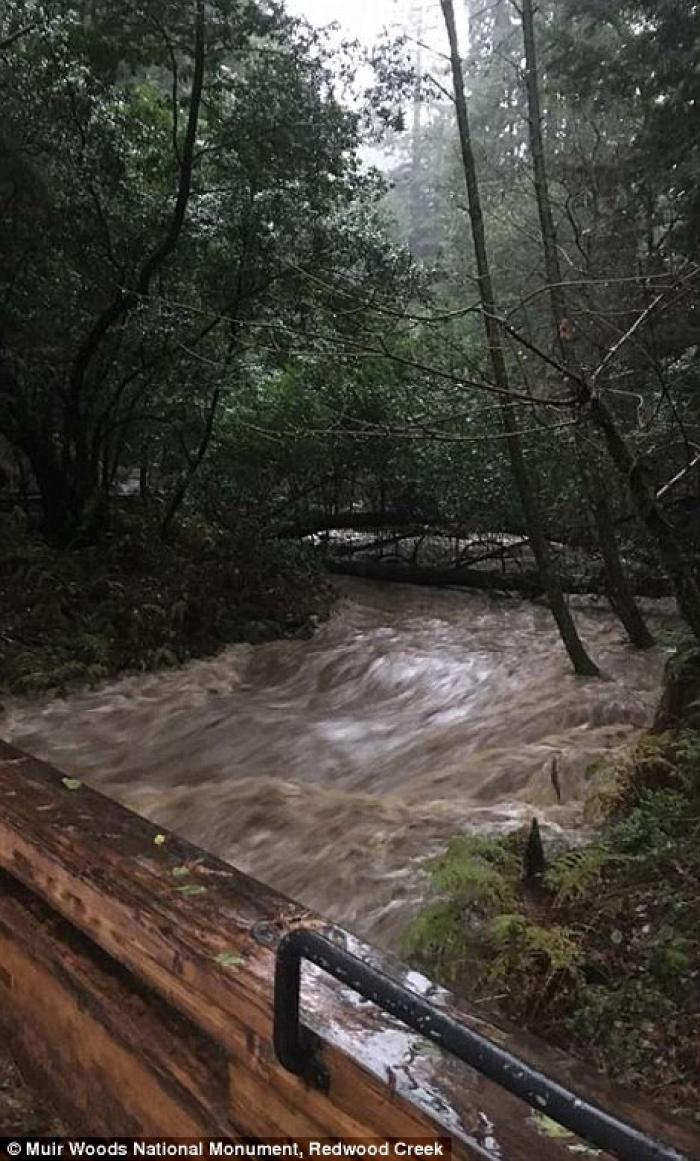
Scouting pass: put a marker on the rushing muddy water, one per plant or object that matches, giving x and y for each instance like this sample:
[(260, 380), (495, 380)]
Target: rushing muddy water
[(331, 768)]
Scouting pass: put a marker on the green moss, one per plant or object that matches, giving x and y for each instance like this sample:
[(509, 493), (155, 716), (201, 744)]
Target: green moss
[(603, 955)]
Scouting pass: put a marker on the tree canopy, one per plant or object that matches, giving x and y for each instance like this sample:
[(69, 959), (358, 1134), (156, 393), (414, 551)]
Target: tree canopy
[(210, 297)]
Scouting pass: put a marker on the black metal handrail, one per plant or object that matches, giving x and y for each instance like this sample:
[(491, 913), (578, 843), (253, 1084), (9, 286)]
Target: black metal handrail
[(297, 1047)]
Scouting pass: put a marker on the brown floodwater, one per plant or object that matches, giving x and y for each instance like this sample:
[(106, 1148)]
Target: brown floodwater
[(331, 768)]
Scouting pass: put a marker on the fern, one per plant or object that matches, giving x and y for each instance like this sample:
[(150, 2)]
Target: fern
[(440, 937), (476, 873), (473, 883), (657, 761), (531, 963), (577, 874), (474, 879)]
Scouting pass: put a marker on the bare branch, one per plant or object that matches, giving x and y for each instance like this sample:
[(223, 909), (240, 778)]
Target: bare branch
[(616, 348), (9, 40), (678, 477), (662, 297), (351, 349)]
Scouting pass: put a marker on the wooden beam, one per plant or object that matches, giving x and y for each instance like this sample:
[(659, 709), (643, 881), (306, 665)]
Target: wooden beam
[(103, 1049), (187, 943)]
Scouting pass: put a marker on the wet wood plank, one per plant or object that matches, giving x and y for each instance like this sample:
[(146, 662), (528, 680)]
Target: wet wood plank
[(201, 937), (104, 1050)]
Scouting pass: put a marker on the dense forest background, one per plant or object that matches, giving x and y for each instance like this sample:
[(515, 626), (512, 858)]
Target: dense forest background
[(217, 322)]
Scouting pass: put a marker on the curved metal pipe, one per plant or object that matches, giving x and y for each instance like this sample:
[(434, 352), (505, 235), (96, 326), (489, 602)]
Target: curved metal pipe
[(296, 1047)]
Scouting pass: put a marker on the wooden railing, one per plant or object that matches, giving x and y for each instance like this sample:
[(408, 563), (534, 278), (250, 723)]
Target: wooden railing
[(137, 992)]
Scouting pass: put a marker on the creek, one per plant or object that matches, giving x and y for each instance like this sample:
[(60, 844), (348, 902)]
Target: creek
[(332, 768)]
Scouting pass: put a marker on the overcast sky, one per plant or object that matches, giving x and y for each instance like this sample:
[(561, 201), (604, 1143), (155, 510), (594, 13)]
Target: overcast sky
[(365, 19), (360, 18)]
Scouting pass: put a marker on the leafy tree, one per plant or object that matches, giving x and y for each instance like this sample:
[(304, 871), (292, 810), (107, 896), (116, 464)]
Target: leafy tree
[(171, 172)]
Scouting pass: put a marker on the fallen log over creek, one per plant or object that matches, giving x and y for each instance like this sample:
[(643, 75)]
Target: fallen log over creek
[(524, 581), (137, 993)]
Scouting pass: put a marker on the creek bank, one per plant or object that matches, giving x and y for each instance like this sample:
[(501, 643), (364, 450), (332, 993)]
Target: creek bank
[(599, 952), (135, 604)]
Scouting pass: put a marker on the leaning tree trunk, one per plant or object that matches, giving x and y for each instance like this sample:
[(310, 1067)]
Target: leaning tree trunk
[(631, 469), (619, 591), (650, 513), (582, 663), (178, 497)]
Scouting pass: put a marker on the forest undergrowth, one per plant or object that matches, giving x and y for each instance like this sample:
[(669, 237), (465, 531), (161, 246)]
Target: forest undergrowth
[(134, 602), (596, 948)]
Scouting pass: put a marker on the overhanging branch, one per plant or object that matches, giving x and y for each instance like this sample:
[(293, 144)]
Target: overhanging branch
[(125, 301)]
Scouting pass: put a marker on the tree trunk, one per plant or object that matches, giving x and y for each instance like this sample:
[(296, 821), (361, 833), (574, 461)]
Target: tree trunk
[(582, 663), (61, 506), (644, 499), (178, 496), (632, 471), (126, 301), (528, 582), (144, 472), (619, 591)]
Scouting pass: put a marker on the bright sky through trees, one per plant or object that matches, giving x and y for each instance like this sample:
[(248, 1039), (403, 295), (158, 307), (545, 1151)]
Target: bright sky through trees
[(365, 19)]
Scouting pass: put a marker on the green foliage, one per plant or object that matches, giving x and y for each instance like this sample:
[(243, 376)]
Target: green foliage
[(278, 313), (146, 117), (657, 761), (475, 872), (440, 937), (673, 957), (577, 875), (624, 1024), (652, 824), (75, 618), (472, 932), (605, 953), (148, 297), (34, 672), (474, 879), (542, 965)]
